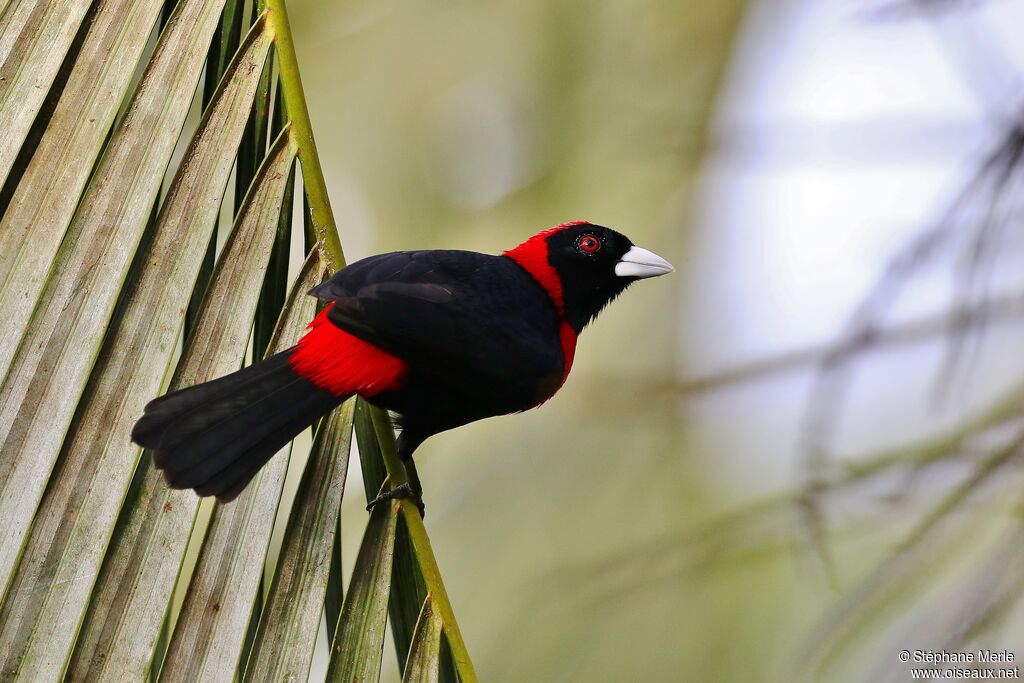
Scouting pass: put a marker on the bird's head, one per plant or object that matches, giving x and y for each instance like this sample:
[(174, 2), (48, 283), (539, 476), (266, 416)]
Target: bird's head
[(584, 266)]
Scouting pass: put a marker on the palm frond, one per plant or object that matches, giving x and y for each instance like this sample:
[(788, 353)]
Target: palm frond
[(48, 372), (423, 665), (96, 275), (136, 584), (283, 648), (83, 494), (34, 37), (211, 629), (359, 639)]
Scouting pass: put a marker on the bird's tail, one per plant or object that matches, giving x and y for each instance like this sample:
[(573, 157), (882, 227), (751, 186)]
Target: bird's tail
[(214, 437)]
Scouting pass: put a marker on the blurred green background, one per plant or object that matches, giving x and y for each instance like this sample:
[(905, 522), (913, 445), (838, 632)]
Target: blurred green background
[(779, 154)]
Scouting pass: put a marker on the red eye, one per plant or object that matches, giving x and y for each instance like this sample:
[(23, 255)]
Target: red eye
[(589, 244)]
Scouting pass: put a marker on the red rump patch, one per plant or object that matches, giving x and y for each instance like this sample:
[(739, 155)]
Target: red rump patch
[(532, 256), (343, 364)]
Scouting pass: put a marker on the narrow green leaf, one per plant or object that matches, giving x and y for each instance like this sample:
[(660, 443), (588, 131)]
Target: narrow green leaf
[(254, 142), (211, 628), (424, 556), (448, 669), (137, 579), (359, 639), (40, 616), (408, 589), (274, 286), (223, 46), (422, 666), (335, 595), (370, 459), (34, 37), (283, 648), (226, 40), (44, 201), (52, 364), (250, 152)]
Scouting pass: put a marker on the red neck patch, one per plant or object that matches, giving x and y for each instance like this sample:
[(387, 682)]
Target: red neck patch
[(532, 256)]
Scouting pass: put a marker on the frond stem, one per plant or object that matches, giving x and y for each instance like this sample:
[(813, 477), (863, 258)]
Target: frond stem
[(421, 547), (325, 233), (324, 229)]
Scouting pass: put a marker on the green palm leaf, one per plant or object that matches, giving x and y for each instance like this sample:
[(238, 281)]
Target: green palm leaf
[(52, 364), (359, 639), (142, 565), (208, 637), (283, 649), (96, 274), (83, 495), (425, 652)]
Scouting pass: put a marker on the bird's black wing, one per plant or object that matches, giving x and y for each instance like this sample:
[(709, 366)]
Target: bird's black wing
[(450, 313)]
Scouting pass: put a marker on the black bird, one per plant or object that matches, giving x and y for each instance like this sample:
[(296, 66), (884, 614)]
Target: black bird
[(441, 338)]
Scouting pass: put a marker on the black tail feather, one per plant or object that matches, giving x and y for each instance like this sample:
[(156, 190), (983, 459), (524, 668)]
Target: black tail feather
[(214, 437)]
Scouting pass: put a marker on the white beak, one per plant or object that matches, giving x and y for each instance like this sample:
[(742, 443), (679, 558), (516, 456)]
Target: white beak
[(640, 263)]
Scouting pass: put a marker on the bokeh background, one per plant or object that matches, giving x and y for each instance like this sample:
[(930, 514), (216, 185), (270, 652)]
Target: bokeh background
[(781, 461)]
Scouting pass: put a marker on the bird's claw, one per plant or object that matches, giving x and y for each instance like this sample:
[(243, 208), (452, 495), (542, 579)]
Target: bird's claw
[(401, 491)]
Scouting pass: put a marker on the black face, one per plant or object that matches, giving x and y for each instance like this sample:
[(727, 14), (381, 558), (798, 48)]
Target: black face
[(585, 257)]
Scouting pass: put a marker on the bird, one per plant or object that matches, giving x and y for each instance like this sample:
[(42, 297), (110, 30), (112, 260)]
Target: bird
[(440, 338)]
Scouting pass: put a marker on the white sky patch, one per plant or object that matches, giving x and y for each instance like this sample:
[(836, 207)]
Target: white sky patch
[(838, 137)]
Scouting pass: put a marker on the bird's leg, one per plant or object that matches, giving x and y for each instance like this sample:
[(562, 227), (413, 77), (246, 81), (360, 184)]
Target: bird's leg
[(401, 491), (410, 489), (415, 487)]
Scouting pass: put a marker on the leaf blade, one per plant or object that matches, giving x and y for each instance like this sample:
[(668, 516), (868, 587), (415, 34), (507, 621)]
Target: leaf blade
[(358, 642), (34, 37), (52, 583), (424, 660), (137, 579), (214, 618), (44, 201), (283, 648), (52, 365)]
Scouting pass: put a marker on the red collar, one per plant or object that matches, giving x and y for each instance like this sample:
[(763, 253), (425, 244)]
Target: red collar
[(532, 256)]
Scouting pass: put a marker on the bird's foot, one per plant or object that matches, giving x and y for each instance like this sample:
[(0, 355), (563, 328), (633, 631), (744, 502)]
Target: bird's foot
[(400, 492)]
